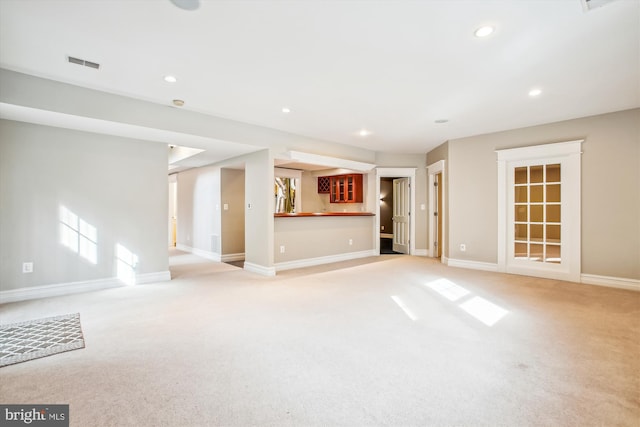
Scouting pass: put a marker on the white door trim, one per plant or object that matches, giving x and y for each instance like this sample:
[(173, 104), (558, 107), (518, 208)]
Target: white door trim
[(432, 171), (568, 154), (398, 173)]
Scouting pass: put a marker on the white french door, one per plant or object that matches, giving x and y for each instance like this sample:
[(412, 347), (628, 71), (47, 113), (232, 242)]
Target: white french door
[(539, 210)]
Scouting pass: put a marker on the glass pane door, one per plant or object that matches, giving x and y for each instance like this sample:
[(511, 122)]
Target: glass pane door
[(537, 207)]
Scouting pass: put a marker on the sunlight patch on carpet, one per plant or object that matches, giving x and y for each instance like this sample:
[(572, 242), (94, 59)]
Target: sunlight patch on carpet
[(34, 339), (448, 289), (404, 308), (483, 310)]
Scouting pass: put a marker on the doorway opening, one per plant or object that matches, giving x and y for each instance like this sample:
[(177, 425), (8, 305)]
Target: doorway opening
[(387, 208), (437, 215), (394, 223)]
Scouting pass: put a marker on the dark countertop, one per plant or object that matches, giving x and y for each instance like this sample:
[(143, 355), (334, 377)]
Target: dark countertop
[(313, 214)]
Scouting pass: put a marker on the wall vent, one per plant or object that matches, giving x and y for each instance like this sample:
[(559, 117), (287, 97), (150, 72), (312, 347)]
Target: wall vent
[(588, 5), (79, 61), (215, 243)]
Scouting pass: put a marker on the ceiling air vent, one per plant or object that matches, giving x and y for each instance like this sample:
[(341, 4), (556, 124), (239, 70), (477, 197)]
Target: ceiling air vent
[(79, 61), (588, 5)]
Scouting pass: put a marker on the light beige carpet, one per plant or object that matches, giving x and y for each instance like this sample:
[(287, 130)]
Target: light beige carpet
[(397, 340)]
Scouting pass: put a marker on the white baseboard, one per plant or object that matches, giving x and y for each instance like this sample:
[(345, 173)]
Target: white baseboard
[(474, 265), (259, 269), (183, 248), (588, 279), (612, 282), (200, 252), (158, 276), (45, 291), (232, 257), (309, 262), (421, 252)]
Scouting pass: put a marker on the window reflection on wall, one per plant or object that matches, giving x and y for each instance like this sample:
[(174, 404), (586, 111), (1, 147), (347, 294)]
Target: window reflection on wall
[(78, 235), (126, 262), (285, 195)]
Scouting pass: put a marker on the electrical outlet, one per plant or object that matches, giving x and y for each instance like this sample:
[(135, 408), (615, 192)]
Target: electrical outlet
[(225, 206), (27, 267), (282, 249), (382, 227), (350, 242), (463, 247)]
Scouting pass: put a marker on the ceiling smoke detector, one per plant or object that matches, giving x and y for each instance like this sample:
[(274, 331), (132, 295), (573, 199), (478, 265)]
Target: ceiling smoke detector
[(186, 4), (79, 61)]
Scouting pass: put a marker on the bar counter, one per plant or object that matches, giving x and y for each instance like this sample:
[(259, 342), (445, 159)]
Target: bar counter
[(317, 214)]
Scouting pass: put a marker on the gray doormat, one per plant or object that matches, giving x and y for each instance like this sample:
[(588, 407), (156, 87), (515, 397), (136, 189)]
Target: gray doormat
[(33, 339)]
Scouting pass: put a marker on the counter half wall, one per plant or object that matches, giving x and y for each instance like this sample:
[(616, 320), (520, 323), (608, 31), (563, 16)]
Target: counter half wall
[(306, 239)]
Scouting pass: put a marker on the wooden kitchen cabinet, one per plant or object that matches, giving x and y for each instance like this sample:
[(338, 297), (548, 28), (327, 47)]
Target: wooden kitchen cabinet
[(346, 188)]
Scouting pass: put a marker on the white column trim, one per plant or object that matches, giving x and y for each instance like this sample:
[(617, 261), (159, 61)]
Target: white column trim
[(432, 171)]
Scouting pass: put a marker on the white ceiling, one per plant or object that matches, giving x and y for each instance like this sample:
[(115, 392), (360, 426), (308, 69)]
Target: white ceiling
[(391, 67)]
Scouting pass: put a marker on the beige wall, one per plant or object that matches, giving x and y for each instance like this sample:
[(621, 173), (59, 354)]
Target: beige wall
[(259, 178), (313, 237), (198, 208), (610, 190), (232, 222), (117, 185), (311, 200), (441, 152)]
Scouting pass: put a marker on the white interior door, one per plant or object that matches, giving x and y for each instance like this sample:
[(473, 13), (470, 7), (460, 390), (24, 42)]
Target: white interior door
[(401, 215)]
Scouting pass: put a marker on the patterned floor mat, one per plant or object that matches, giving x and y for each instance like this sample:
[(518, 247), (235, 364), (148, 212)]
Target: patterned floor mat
[(33, 339)]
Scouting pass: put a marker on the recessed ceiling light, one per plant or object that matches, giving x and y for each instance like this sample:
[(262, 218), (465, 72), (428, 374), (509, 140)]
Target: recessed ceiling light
[(483, 31), (441, 121), (170, 79), (534, 92), (286, 110), (364, 132), (178, 102)]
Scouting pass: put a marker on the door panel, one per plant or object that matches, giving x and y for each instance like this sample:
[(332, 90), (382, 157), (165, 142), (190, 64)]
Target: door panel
[(401, 215), (438, 218)]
